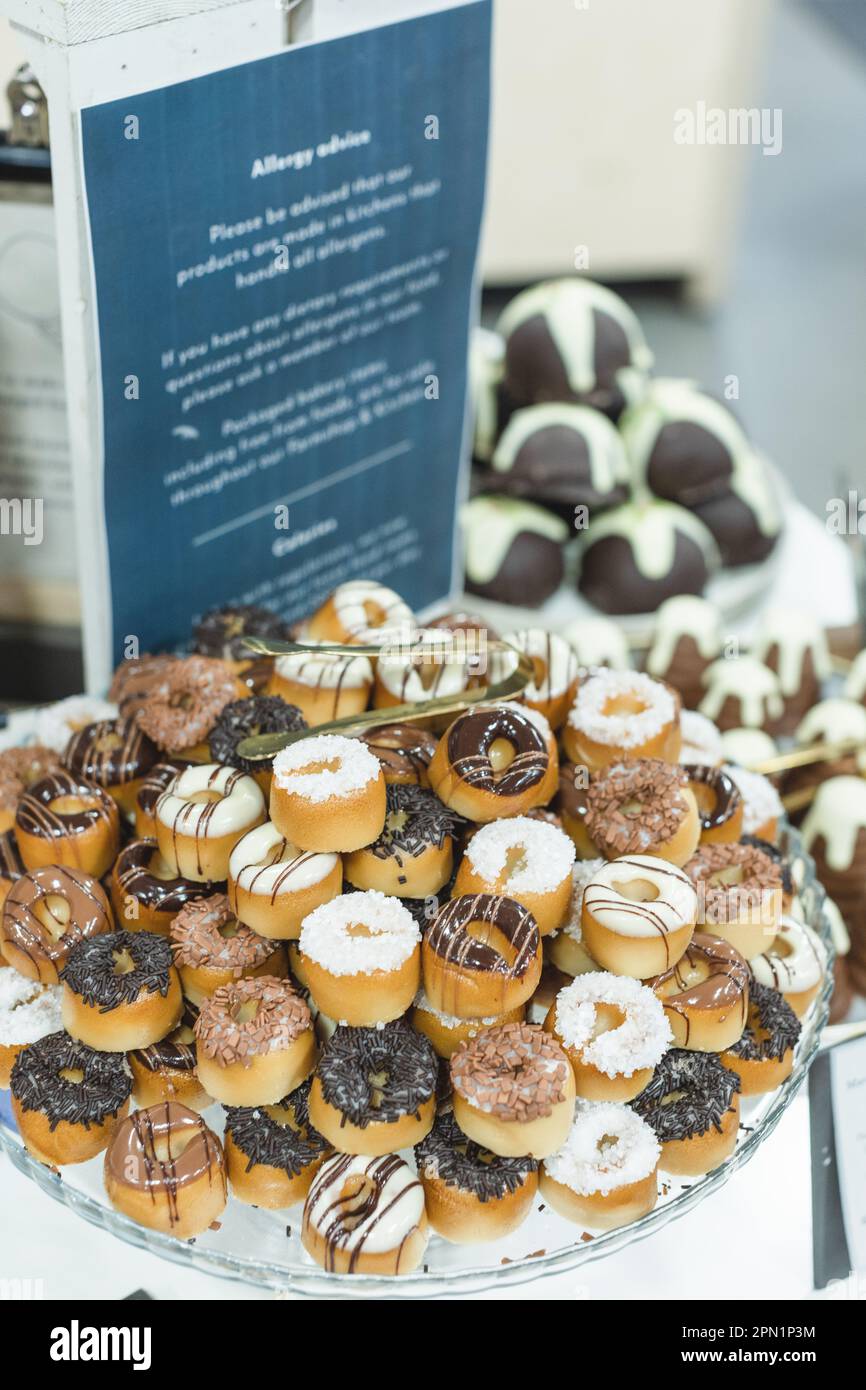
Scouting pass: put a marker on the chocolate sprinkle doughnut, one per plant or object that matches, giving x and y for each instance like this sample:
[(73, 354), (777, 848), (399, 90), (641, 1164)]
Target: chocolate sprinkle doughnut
[(460, 1162), (262, 1139), (355, 1056), (772, 1028), (222, 631), (415, 821), (704, 1090), (259, 714), (37, 1082), (471, 736), (90, 970)]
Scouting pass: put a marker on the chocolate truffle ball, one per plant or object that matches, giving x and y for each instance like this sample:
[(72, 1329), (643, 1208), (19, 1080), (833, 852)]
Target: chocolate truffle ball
[(745, 521), (640, 554), (573, 340), (562, 456), (683, 444), (513, 550)]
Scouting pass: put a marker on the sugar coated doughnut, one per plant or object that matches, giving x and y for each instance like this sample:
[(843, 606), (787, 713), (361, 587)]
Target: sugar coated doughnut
[(763, 1056), (28, 1011), (643, 807), (365, 1216), (613, 1030), (273, 1151), (739, 891), (513, 1090), (67, 820), (45, 914), (212, 948), (374, 1090), (273, 885), (705, 994), (361, 958), (66, 1098), (566, 948), (693, 1106), (470, 1193), (201, 817), (606, 1173), (638, 915), (481, 956), (165, 1169), (523, 859), (491, 763), (120, 991), (360, 611), (328, 794), (254, 1042), (622, 714), (795, 964)]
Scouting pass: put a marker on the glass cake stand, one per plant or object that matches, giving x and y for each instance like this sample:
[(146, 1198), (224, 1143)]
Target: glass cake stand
[(264, 1249)]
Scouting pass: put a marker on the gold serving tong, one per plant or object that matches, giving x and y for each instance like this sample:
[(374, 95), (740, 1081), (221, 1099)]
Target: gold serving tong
[(261, 746)]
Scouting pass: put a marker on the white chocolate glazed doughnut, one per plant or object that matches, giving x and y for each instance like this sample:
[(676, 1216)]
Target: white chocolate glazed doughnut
[(328, 794), (361, 958), (273, 885), (523, 859), (794, 964), (752, 687), (605, 1174), (702, 742), (598, 642), (202, 815), (363, 612), (431, 665), (555, 671), (614, 1031), (638, 914), (365, 1216), (323, 687), (622, 714), (762, 805)]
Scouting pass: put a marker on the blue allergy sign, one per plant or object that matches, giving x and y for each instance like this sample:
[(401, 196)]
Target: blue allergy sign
[(283, 256)]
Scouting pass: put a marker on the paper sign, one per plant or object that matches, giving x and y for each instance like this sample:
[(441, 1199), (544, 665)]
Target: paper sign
[(848, 1074)]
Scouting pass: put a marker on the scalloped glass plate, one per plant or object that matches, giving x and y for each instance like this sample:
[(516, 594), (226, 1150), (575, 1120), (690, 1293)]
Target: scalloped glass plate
[(263, 1248)]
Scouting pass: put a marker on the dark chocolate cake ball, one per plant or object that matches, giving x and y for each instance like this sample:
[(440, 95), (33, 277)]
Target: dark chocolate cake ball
[(642, 553), (513, 550), (746, 521), (562, 456), (574, 340), (683, 444)]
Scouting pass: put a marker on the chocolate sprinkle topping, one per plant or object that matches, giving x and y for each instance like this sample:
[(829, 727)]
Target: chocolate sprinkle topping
[(260, 714), (704, 1090), (263, 1140), (460, 1162), (378, 1074), (91, 972), (415, 821), (221, 631), (772, 1028), (37, 1083)]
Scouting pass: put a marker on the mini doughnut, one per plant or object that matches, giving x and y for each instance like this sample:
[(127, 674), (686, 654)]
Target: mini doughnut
[(323, 687), (470, 1193), (693, 1106), (446, 1032), (166, 1069), (20, 768), (795, 964), (638, 915), (605, 1175), (404, 751), (762, 805), (184, 701), (254, 1042), (360, 612), (361, 959), (481, 956), (45, 914), (201, 817), (165, 1169), (258, 714), (12, 867), (720, 805), (145, 892), (789, 888), (548, 785), (552, 982), (67, 820), (212, 948), (120, 991), (328, 794), (374, 1090), (115, 754), (28, 1011), (763, 1057), (643, 807), (702, 742), (67, 1099), (132, 683), (150, 789), (739, 895), (54, 724), (566, 949), (613, 1031), (619, 715), (523, 859), (428, 666), (705, 994), (273, 885), (574, 783), (555, 669), (273, 1152), (222, 632), (513, 1091), (414, 855), (490, 763), (365, 1216)]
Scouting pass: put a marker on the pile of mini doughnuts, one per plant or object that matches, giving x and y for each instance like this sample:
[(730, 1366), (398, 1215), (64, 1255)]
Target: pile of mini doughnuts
[(428, 972), (573, 438)]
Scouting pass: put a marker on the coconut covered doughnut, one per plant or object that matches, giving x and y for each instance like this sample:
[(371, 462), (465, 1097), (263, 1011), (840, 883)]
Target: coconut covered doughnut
[(429, 666), (491, 763), (67, 1098), (606, 1173), (470, 1193), (45, 914), (150, 789), (638, 915), (19, 769), (513, 1091), (523, 859), (212, 948), (739, 894), (619, 715), (555, 671), (365, 1216), (328, 794), (53, 725), (146, 894), (361, 958), (29, 1011), (165, 1169), (795, 964), (705, 994), (481, 956), (254, 1041), (405, 752), (762, 805), (65, 819), (692, 1105), (566, 949), (613, 1030), (702, 742), (273, 885), (644, 807), (185, 700), (115, 754), (201, 817), (720, 805), (273, 1151), (763, 1056), (446, 1031), (120, 991), (322, 686), (413, 857), (363, 612), (374, 1090)]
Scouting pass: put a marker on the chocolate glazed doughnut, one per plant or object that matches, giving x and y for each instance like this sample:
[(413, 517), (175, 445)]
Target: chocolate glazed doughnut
[(46, 913), (166, 1069), (65, 819), (147, 901), (705, 995), (720, 805), (404, 751), (115, 754), (490, 763), (165, 1169), (150, 789), (485, 972)]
